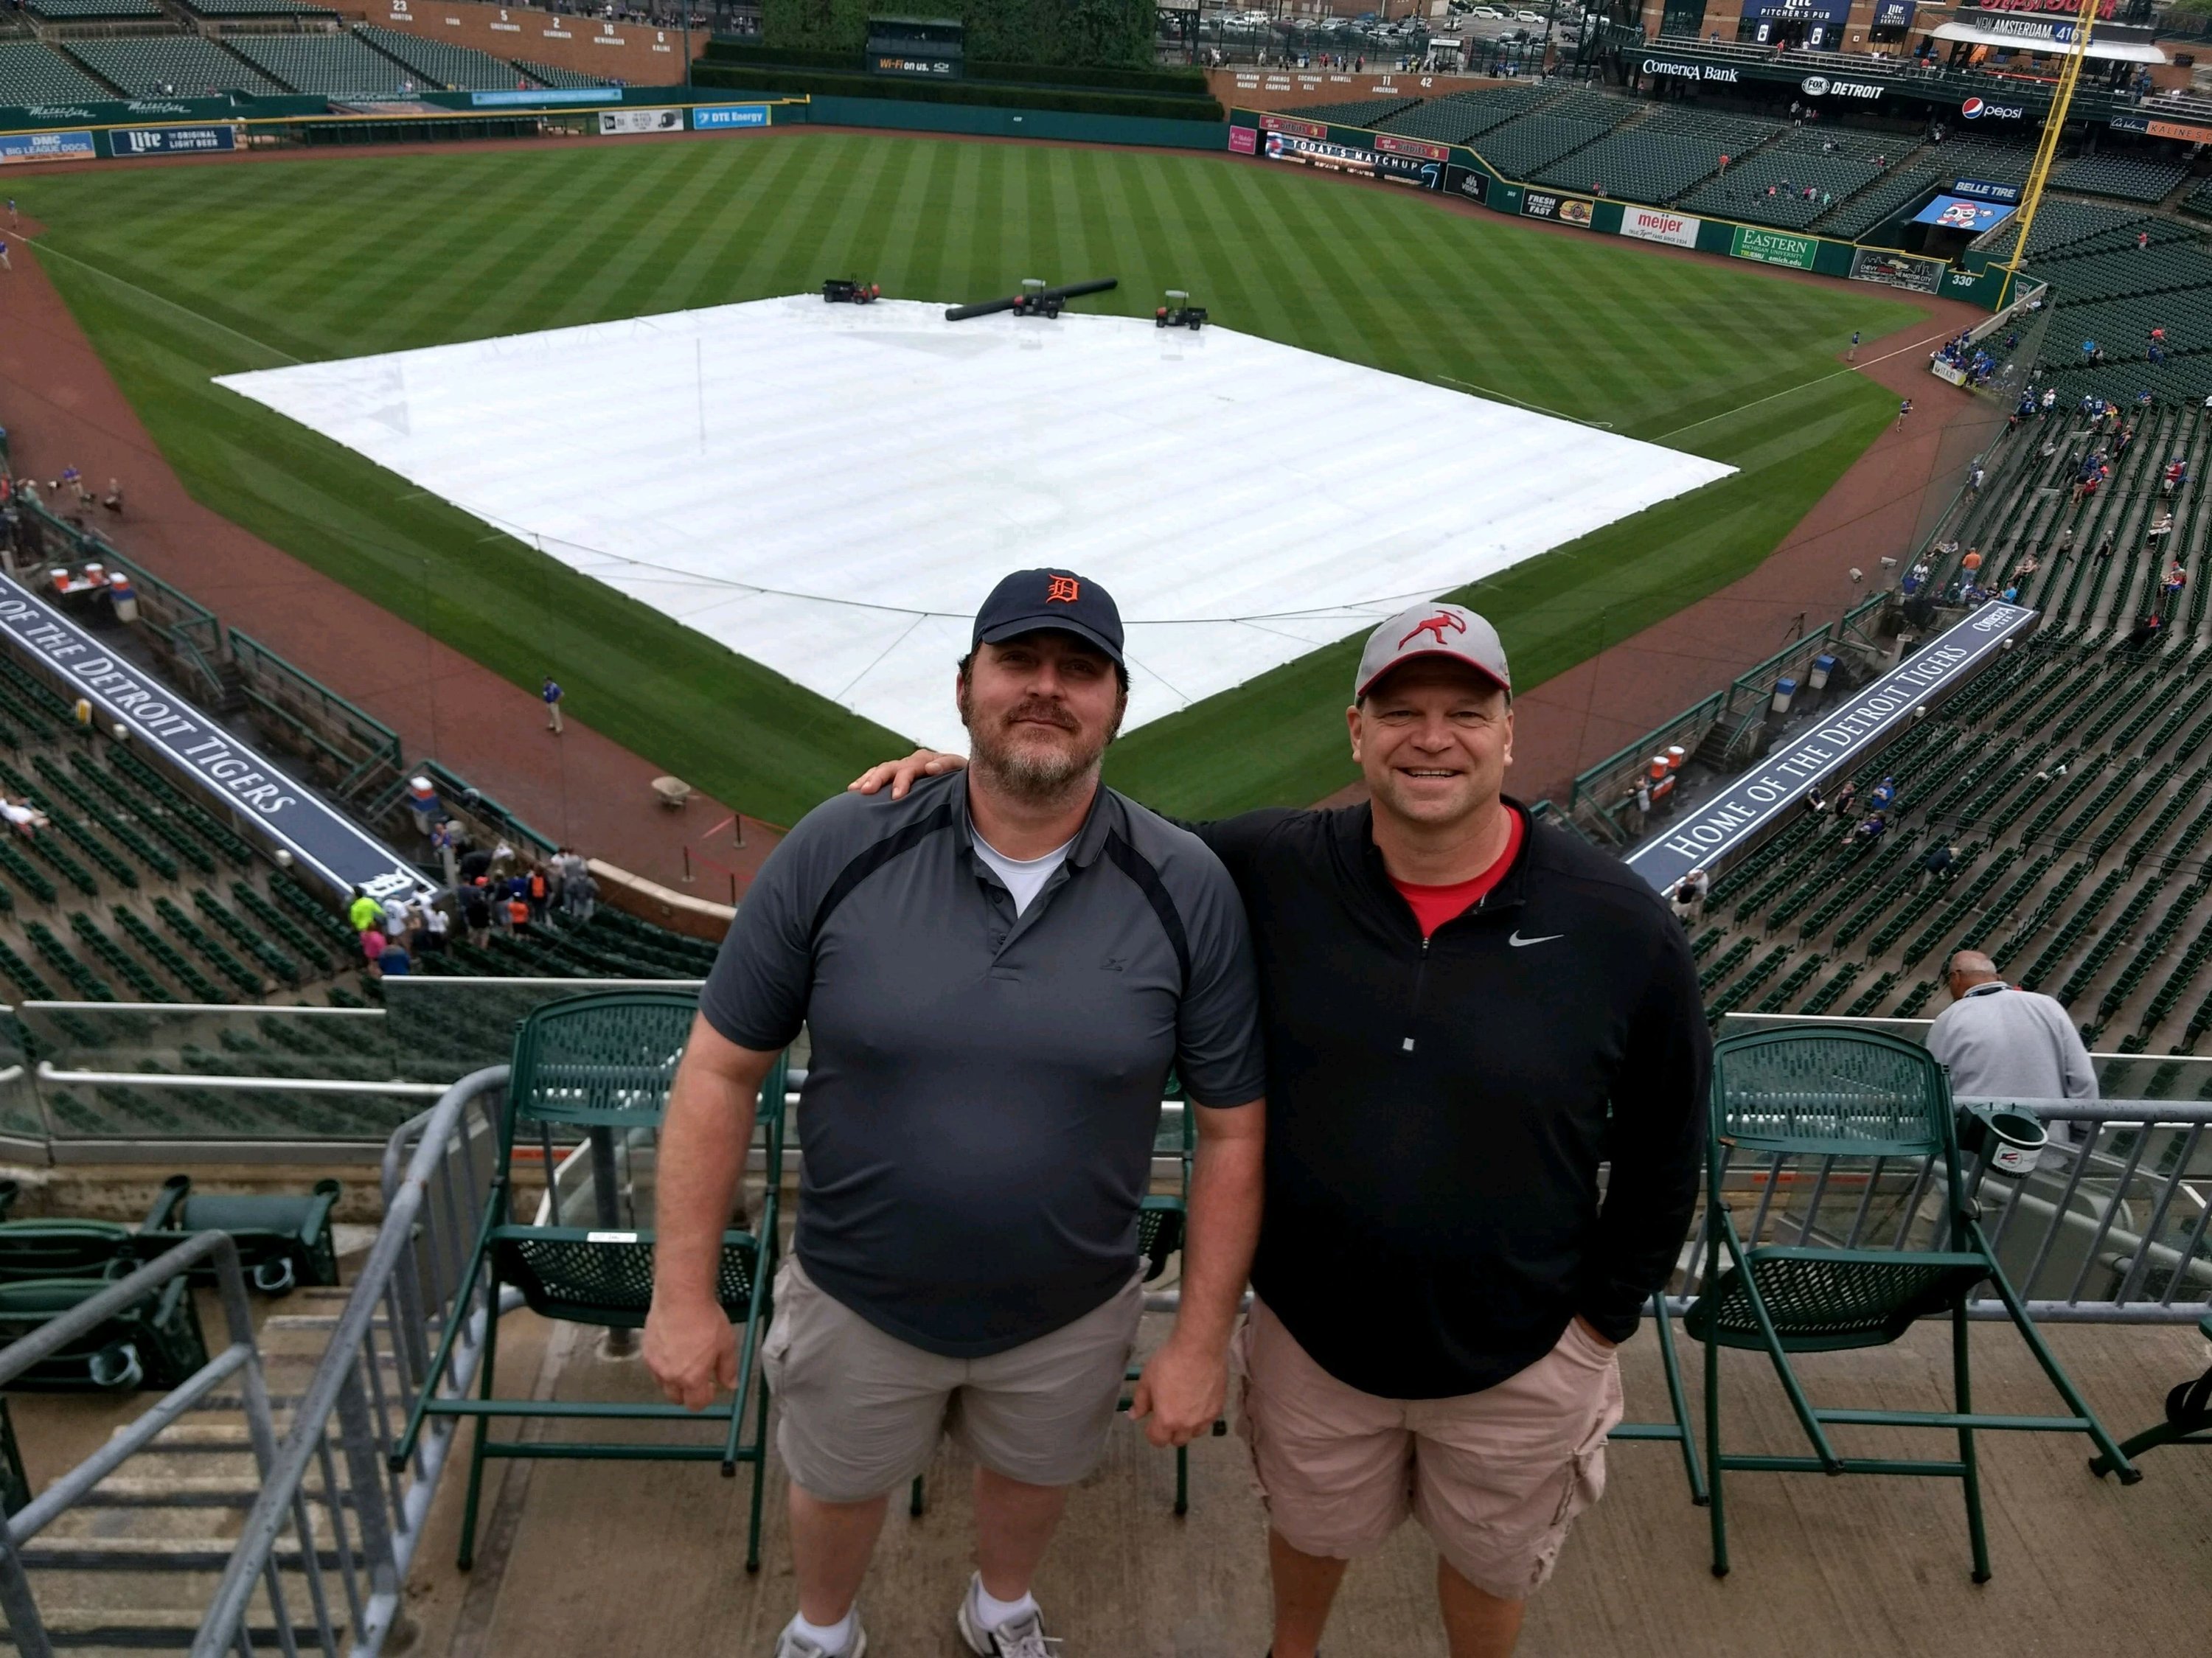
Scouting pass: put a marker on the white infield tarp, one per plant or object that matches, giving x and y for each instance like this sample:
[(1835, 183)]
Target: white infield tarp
[(830, 490)]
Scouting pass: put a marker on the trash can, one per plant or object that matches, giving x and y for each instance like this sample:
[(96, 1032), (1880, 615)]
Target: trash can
[(1822, 667), (1784, 691)]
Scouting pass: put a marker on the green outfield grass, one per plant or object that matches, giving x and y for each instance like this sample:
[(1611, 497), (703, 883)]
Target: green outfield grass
[(181, 273)]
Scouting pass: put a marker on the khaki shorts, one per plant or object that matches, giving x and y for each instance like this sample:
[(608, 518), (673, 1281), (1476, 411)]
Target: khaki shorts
[(861, 1411), (1494, 1478)]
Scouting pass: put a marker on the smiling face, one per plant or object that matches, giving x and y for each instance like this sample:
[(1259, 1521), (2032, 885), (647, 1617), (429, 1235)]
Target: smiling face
[(1433, 739), (1040, 710)]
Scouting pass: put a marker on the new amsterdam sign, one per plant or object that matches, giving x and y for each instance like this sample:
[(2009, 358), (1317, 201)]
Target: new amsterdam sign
[(1710, 833)]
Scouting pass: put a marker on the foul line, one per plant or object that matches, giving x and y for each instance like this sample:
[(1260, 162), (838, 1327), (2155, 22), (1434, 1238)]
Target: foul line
[(163, 299), (1556, 414), (1792, 391)]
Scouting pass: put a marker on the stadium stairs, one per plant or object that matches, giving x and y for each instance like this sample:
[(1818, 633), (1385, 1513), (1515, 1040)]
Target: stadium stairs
[(134, 1565)]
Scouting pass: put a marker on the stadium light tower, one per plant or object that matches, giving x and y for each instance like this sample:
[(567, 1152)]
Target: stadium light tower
[(2046, 152)]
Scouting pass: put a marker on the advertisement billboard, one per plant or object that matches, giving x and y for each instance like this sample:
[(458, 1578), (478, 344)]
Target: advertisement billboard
[(668, 119), (66, 146), (1470, 182), (1562, 209), (1652, 224), (171, 141), (1773, 246), (537, 97), (1957, 213), (1726, 822), (1873, 264), (721, 118), (1985, 190), (1244, 141), (1349, 158)]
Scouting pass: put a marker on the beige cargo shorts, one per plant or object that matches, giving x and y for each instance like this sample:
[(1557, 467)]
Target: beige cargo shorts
[(1494, 1478), (861, 1410)]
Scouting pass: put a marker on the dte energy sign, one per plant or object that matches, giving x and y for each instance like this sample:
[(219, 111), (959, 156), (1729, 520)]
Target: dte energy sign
[(709, 118), (1733, 818), (327, 845)]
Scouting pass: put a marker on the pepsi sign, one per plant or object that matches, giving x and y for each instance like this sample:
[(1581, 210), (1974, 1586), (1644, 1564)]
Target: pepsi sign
[(1980, 109)]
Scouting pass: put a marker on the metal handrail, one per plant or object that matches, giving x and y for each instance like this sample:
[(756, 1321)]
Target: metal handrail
[(241, 1360), (47, 1074), (351, 1389)]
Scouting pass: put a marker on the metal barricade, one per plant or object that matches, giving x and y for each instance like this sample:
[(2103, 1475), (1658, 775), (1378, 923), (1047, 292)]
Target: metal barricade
[(437, 1179), (239, 1363)]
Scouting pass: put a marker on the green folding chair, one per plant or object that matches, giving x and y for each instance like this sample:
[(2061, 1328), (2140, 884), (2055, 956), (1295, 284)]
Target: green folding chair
[(1858, 1129), (1161, 1218), (603, 1065), (2188, 1419)]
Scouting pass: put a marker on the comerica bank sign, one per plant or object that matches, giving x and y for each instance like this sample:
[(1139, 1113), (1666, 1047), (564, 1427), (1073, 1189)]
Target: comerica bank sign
[(1690, 71)]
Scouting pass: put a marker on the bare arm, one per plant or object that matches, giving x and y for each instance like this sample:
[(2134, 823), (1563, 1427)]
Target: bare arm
[(1185, 1383), (688, 1344)]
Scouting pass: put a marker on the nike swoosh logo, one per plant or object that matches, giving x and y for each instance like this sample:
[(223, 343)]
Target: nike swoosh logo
[(1517, 941)]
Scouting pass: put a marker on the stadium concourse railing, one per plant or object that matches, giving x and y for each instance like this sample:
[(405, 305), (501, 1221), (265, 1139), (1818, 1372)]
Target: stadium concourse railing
[(1601, 792), (2111, 1230), (142, 1082), (2108, 1226)]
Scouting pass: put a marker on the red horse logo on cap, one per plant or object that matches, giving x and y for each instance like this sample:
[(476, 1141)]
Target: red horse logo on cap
[(1064, 590), (1434, 624)]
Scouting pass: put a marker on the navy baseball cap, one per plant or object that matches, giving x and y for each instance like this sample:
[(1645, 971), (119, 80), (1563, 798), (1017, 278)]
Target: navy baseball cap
[(1029, 600)]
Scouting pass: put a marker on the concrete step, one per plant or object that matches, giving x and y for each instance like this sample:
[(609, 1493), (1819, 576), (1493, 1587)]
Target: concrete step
[(73, 1555), (163, 1629), (141, 1490)]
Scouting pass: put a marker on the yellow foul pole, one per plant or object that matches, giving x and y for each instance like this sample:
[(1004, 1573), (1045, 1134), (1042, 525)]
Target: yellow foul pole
[(2046, 152)]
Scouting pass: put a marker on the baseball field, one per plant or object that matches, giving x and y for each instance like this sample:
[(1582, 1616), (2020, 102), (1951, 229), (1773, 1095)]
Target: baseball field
[(180, 274)]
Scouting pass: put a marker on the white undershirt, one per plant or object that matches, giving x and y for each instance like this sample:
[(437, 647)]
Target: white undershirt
[(1024, 878)]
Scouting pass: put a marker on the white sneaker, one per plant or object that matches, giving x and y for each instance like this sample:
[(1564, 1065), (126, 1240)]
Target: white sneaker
[(1024, 1638), (793, 1644)]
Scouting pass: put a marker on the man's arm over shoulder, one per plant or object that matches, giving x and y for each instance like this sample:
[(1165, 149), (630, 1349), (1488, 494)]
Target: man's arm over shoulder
[(756, 995), (1660, 1115), (1219, 1053)]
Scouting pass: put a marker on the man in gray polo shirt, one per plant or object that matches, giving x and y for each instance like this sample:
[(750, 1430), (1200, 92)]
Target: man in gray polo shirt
[(996, 973), (2000, 1042)]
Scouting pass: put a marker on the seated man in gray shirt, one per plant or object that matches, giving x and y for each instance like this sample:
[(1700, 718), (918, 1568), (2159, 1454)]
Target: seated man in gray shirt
[(996, 973), (2003, 1044)]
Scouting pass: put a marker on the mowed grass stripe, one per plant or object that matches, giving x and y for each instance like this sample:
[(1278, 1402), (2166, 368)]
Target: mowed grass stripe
[(478, 294), (526, 240)]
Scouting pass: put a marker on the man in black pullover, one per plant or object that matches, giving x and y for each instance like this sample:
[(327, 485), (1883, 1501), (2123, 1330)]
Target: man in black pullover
[(1466, 1013)]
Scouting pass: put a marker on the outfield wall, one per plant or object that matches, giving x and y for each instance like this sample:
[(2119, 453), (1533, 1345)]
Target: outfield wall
[(1459, 170), (96, 130)]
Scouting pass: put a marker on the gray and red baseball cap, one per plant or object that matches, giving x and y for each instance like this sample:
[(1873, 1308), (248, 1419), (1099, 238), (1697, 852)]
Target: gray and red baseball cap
[(1451, 631), (1029, 600)]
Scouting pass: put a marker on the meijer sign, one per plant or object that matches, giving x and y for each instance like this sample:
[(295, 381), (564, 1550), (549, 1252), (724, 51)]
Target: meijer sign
[(1651, 224)]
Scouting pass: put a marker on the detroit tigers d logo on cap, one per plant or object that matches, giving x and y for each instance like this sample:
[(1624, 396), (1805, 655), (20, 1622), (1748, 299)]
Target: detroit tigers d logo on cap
[(1063, 590)]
